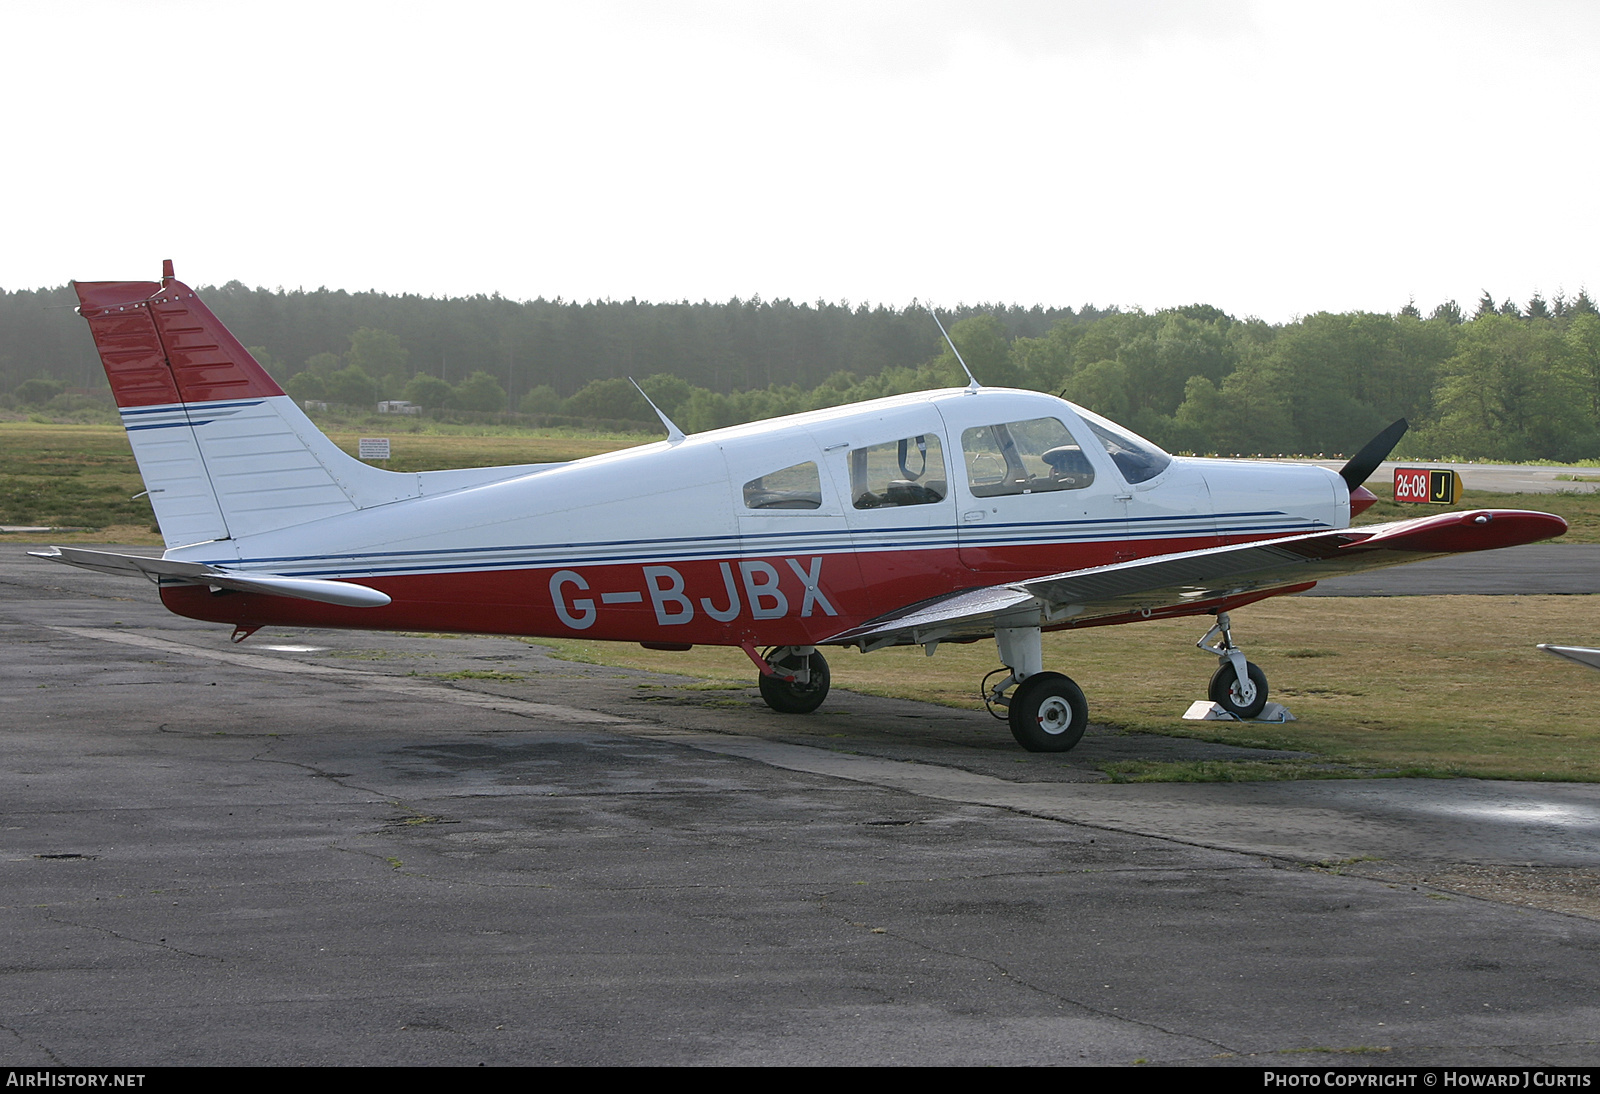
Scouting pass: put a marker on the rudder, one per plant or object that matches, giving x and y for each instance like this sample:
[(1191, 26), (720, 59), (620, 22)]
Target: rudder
[(223, 451)]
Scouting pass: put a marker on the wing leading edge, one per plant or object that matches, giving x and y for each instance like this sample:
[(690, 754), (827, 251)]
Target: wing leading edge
[(1196, 581)]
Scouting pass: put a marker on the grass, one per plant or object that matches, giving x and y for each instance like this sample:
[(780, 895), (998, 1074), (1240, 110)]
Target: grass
[(438, 451), (1220, 771), (1426, 686), (76, 476)]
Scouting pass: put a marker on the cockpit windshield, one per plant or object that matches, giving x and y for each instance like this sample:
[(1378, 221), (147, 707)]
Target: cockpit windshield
[(1137, 459)]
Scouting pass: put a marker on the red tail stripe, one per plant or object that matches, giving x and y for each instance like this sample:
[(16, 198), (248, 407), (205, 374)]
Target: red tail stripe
[(159, 344)]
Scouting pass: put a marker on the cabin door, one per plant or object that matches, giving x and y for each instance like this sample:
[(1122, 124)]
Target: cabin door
[(1033, 497)]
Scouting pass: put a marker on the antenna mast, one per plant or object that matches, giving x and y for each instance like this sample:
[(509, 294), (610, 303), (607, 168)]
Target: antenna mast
[(674, 434), (974, 385)]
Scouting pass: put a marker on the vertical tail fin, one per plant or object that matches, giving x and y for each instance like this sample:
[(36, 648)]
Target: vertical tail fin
[(223, 451)]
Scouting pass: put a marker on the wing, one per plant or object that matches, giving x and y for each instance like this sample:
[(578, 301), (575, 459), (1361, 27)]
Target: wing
[(1196, 581), (1583, 655), (195, 573)]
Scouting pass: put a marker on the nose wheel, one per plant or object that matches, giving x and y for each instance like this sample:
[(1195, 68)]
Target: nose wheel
[(1238, 686), (1244, 699)]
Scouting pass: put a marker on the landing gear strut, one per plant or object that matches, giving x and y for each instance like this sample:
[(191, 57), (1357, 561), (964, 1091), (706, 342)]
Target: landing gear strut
[(1047, 712), (798, 682), (1238, 686)]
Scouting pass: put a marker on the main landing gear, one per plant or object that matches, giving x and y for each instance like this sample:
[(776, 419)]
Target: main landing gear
[(1238, 686), (1047, 712), (798, 680)]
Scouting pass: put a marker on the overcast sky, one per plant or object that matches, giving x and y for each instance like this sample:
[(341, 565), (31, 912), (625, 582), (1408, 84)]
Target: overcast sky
[(1272, 159)]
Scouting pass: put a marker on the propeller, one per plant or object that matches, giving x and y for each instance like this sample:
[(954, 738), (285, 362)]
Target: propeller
[(1361, 466)]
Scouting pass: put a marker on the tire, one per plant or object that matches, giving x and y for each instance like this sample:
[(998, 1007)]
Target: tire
[(1048, 713), (793, 698), (1226, 693)]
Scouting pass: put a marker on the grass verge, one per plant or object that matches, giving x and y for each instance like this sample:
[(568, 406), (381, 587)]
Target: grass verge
[(1438, 686)]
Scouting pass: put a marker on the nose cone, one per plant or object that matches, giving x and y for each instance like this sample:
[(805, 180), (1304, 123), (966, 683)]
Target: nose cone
[(1361, 499)]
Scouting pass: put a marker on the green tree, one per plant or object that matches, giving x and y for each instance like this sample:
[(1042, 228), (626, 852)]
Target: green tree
[(986, 350), (1583, 355), (667, 391), (1045, 363), (352, 387), (1506, 394), (481, 392), (706, 410), (1102, 387), (428, 391), (613, 398), (306, 386), (38, 391), (540, 400), (378, 353), (274, 367), (1343, 379), (1246, 415)]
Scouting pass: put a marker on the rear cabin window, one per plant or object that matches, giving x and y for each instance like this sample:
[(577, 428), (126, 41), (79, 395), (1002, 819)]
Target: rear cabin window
[(797, 487), (1030, 457), (904, 472)]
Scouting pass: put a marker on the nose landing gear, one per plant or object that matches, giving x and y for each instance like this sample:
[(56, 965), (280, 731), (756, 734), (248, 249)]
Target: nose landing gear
[(1238, 686)]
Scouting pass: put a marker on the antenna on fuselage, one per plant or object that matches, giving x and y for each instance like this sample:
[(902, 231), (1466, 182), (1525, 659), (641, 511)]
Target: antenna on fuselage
[(974, 385), (674, 434)]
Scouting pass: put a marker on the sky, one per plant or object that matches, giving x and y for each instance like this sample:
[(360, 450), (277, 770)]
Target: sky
[(1274, 159)]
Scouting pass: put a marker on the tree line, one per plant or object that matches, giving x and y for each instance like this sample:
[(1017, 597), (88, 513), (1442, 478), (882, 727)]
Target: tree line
[(1508, 382)]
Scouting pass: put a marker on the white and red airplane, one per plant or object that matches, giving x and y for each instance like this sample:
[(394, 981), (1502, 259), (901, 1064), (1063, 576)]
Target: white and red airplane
[(944, 516)]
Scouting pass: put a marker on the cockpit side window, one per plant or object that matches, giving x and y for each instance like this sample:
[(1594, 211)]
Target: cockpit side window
[(904, 472), (1137, 459), (797, 487), (1029, 457)]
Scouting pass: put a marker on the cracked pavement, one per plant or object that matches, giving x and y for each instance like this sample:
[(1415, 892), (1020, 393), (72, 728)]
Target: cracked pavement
[(219, 854)]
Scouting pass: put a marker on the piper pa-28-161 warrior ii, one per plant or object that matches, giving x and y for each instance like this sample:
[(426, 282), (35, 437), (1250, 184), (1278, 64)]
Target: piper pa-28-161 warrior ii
[(944, 516)]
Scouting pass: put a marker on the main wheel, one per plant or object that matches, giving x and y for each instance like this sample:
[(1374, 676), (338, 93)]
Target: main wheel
[(788, 697), (1243, 703), (1048, 713)]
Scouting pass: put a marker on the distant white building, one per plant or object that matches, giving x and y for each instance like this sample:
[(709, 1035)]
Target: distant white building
[(398, 406)]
